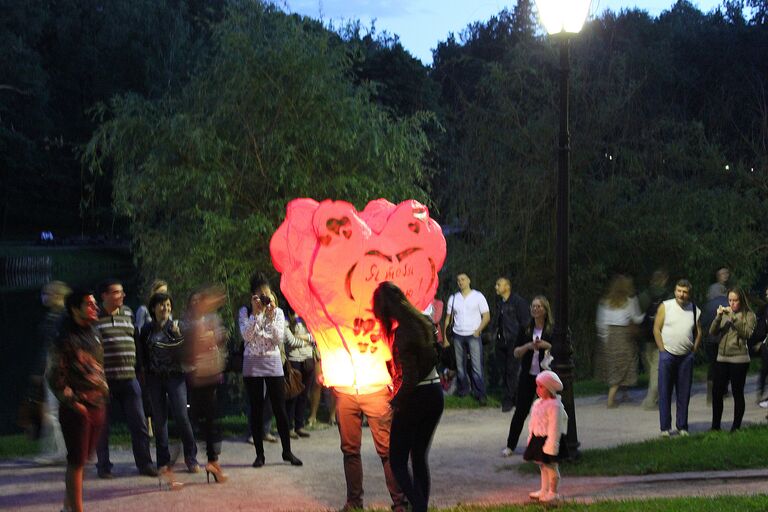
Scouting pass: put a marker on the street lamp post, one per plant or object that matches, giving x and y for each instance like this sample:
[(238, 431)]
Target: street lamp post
[(563, 18)]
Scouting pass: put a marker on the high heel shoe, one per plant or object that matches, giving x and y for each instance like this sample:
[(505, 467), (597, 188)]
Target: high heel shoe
[(167, 480), (289, 457), (213, 468), (259, 462)]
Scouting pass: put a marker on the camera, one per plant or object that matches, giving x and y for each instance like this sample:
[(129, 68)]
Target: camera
[(264, 299)]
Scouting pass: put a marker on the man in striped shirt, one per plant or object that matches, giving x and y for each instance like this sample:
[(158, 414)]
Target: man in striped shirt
[(115, 325)]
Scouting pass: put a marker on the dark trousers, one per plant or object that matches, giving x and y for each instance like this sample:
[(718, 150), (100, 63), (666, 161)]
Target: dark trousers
[(526, 393), (126, 394), (170, 392), (763, 370), (736, 374), (297, 407), (254, 387), (81, 432), (411, 436), (204, 411), (349, 415), (510, 372)]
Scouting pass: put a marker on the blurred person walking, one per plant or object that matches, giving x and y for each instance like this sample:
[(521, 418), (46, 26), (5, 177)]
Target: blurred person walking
[(650, 300), (52, 447), (418, 396), (76, 376), (616, 313), (206, 356)]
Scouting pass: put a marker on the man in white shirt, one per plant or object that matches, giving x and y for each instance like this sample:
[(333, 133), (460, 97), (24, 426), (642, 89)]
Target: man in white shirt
[(677, 332), (470, 314)]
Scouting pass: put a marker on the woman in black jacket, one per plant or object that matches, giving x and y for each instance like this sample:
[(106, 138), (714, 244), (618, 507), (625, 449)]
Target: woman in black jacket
[(531, 348), (418, 399), (161, 346)]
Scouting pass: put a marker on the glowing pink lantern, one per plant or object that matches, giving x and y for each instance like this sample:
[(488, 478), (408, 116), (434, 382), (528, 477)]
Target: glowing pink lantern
[(332, 258)]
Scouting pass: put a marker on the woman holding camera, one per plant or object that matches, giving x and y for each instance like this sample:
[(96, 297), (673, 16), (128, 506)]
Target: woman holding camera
[(734, 324), (262, 328)]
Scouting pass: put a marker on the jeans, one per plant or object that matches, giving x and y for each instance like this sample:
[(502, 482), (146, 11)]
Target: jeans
[(736, 374), (126, 394), (473, 345), (674, 371), (349, 414), (171, 392), (411, 436)]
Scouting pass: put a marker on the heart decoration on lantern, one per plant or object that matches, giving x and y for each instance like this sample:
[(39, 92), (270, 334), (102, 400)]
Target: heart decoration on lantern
[(333, 257)]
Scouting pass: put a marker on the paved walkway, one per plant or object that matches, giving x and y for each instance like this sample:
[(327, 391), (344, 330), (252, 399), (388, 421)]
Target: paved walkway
[(465, 461)]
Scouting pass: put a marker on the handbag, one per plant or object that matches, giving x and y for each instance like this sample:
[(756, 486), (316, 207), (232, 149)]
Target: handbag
[(293, 385)]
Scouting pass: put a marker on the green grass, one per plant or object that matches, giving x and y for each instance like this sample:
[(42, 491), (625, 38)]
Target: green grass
[(709, 451), (17, 446), (717, 504)]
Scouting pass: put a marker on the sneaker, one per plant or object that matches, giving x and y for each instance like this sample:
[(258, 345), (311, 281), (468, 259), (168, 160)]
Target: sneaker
[(507, 452), (302, 433), (105, 474), (763, 404), (666, 433), (293, 435), (270, 438), (684, 433)]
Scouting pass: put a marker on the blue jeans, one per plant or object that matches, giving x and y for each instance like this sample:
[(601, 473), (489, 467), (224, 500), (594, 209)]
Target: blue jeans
[(170, 392), (674, 371), (474, 345), (126, 394)]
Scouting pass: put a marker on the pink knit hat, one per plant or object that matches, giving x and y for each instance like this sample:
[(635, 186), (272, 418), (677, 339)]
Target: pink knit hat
[(550, 380)]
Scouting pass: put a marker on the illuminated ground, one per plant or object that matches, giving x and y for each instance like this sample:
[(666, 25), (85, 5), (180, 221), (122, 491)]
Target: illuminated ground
[(465, 461)]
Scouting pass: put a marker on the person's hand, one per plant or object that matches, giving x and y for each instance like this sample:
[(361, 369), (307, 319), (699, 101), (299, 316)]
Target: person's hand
[(476, 334), (269, 311), (256, 305), (77, 406), (175, 328)]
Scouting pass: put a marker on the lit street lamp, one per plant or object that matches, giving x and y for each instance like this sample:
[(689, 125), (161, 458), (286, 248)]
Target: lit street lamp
[(563, 19)]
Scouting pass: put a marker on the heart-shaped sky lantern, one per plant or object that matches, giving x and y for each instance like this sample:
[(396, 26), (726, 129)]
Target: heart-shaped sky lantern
[(333, 257)]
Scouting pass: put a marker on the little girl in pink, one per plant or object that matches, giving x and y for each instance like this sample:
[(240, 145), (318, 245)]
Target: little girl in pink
[(546, 431)]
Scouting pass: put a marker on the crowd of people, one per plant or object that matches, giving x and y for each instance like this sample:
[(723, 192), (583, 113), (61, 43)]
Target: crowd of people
[(101, 360), (152, 366)]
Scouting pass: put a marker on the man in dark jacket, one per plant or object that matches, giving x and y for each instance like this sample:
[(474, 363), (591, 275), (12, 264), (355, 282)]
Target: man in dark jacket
[(511, 315)]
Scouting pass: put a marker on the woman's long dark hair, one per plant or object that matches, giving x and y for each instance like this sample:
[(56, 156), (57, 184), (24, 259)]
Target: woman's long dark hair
[(390, 303)]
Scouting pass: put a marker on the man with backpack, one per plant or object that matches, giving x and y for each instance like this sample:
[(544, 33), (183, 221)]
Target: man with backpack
[(650, 300)]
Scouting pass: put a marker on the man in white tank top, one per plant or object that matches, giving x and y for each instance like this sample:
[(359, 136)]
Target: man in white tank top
[(677, 332)]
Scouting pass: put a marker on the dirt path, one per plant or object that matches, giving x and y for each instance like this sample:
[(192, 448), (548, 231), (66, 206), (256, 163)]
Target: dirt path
[(465, 461)]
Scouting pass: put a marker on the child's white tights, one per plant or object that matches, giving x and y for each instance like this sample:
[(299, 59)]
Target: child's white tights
[(550, 481)]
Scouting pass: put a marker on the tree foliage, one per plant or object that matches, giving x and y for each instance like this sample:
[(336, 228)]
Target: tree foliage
[(204, 173)]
